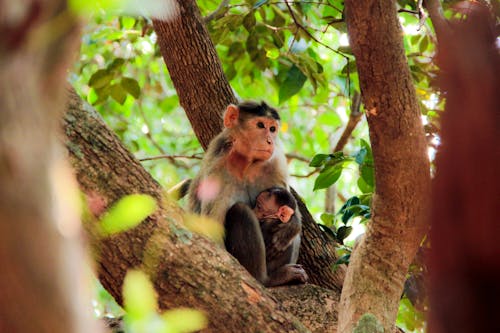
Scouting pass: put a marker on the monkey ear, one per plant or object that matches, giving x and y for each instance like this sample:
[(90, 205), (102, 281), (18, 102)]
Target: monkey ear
[(285, 213), (231, 116)]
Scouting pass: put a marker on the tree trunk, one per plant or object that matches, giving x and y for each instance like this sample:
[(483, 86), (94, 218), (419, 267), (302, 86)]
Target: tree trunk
[(195, 69), (464, 261), (376, 273), (186, 269), (204, 93), (40, 253)]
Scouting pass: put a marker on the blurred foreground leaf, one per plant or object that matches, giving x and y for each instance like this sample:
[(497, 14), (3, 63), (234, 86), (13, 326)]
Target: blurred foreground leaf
[(128, 212)]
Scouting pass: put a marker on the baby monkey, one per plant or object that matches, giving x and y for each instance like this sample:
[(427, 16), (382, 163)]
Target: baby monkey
[(274, 209)]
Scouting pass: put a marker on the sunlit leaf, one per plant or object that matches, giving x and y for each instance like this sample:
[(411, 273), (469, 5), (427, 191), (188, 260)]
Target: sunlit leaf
[(185, 320), (328, 177), (327, 218), (205, 226), (100, 78), (165, 10), (128, 212), (139, 296)]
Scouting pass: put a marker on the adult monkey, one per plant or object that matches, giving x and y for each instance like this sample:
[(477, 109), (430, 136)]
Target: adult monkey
[(242, 161)]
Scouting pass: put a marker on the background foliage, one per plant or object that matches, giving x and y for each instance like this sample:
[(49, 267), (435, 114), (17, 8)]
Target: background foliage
[(293, 54)]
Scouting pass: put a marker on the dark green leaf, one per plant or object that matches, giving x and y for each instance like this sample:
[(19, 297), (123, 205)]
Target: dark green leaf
[(235, 50), (294, 80), (249, 21), (328, 231), (318, 160), (116, 64), (343, 232), (251, 46), (349, 68), (343, 259), (131, 86)]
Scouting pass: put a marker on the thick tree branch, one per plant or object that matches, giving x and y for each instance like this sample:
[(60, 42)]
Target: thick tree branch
[(187, 269), (378, 266)]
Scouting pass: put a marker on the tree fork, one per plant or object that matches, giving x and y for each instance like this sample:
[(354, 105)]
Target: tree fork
[(376, 273), (204, 93)]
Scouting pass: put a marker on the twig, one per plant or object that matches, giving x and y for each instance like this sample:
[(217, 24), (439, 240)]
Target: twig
[(291, 156), (354, 119), (307, 175), (172, 157), (148, 127), (218, 12)]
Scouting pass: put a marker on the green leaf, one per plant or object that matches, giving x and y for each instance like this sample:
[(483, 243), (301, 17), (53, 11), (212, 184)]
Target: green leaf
[(128, 212), (328, 177), (100, 79), (131, 86), (118, 93), (127, 22), (294, 80), (368, 174), (139, 296), (184, 320), (319, 159)]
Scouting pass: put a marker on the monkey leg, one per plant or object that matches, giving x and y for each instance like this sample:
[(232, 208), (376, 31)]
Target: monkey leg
[(244, 240)]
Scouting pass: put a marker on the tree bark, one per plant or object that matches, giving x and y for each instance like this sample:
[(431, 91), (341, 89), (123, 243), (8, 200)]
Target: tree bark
[(186, 269), (204, 92), (376, 273), (40, 253), (464, 262), (195, 69)]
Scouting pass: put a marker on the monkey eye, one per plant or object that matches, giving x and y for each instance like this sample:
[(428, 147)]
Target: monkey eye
[(260, 124), (272, 129)]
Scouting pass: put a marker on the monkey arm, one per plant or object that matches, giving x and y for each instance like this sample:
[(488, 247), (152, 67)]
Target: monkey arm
[(283, 236)]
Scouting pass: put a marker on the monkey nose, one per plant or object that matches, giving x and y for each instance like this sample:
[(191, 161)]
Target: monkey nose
[(269, 141)]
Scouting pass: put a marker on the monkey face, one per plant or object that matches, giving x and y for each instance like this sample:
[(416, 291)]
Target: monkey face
[(259, 137)]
